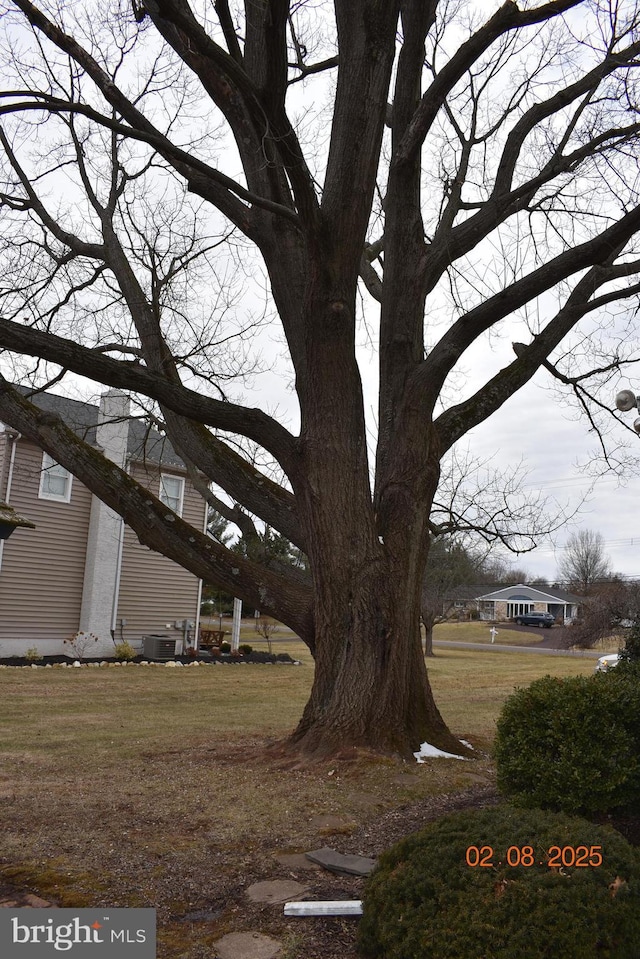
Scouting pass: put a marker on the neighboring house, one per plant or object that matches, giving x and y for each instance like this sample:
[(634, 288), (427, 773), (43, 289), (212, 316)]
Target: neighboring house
[(507, 602), (502, 603), (81, 570)]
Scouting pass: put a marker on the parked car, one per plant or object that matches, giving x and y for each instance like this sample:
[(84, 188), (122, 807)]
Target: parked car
[(607, 662), (545, 620)]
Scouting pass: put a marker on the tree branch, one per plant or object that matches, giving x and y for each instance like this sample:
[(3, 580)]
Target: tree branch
[(230, 417), (456, 421), (433, 371), (228, 30), (508, 17), (203, 179)]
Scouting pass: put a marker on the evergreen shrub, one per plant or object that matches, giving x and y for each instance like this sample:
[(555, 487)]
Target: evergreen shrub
[(630, 652), (572, 744), (424, 901)]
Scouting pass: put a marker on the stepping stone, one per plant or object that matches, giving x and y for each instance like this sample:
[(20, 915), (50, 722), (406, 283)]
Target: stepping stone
[(276, 891), (35, 902), (247, 945), (25, 901), (337, 862)]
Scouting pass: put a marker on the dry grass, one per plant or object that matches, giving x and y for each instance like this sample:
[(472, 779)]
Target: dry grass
[(477, 632), (150, 786), (470, 687)]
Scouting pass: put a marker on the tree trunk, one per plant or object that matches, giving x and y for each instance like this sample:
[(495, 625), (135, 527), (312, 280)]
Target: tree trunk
[(371, 688), (428, 620)]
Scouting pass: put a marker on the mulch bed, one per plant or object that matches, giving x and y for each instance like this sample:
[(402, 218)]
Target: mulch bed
[(255, 657)]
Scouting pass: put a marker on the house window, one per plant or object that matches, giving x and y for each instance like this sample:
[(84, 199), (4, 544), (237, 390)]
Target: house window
[(172, 492), (55, 481)]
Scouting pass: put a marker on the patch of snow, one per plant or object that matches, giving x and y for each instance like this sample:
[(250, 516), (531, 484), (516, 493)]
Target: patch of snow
[(427, 751)]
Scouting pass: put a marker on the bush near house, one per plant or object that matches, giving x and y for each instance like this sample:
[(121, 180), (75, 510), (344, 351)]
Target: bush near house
[(125, 652), (428, 898), (572, 744)]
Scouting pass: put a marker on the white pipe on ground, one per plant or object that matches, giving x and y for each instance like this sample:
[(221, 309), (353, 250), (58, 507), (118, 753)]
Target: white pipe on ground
[(327, 907)]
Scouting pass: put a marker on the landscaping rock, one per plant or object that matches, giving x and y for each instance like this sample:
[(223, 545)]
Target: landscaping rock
[(337, 862), (276, 891), (247, 945)]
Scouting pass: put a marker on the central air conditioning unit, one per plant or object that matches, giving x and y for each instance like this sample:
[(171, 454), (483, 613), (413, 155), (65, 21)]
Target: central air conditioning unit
[(158, 646)]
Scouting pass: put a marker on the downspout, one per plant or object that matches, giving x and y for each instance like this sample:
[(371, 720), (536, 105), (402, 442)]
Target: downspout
[(116, 588), (196, 637), (14, 437)]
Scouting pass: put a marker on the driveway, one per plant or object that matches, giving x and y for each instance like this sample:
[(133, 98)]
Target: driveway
[(554, 638)]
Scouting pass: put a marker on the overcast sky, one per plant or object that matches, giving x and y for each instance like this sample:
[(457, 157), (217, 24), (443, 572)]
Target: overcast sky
[(534, 425)]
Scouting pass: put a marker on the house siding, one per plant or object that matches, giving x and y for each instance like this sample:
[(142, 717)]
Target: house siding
[(42, 569), (154, 591)]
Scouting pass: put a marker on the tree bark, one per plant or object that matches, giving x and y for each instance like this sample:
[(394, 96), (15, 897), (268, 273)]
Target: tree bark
[(371, 688), (428, 621)]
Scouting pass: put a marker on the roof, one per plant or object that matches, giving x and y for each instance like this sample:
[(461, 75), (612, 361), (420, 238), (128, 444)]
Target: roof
[(81, 417), (143, 445), (543, 594)]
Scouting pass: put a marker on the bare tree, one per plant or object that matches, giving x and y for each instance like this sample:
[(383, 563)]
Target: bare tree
[(607, 614), (472, 175), (450, 565), (584, 563)]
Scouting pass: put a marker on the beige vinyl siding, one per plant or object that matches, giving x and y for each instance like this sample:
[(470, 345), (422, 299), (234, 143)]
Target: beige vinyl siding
[(42, 569), (155, 591)]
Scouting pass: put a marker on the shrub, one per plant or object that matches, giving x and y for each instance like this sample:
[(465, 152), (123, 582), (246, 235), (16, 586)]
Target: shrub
[(225, 647), (125, 652), (245, 649), (33, 655), (630, 653), (80, 643), (572, 744), (424, 900)]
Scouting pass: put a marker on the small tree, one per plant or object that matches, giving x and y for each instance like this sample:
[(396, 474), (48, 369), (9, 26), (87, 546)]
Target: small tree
[(450, 566), (266, 628), (606, 614), (80, 643)]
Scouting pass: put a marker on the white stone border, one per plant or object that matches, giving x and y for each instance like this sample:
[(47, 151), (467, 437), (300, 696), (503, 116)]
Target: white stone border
[(172, 663)]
